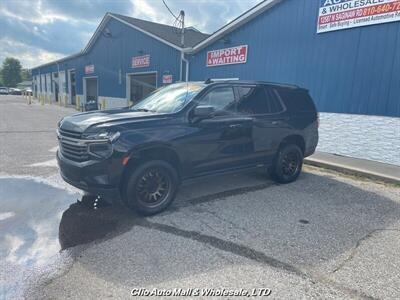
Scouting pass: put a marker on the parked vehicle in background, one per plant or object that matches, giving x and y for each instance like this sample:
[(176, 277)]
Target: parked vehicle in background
[(184, 131), (3, 91), (13, 91)]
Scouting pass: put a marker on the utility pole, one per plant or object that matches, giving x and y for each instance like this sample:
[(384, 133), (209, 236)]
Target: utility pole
[(182, 13)]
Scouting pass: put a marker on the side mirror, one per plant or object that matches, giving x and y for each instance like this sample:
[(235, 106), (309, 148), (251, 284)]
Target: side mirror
[(204, 111)]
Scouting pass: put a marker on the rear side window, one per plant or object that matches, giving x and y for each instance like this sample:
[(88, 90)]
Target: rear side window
[(297, 100), (258, 100), (274, 103), (252, 100)]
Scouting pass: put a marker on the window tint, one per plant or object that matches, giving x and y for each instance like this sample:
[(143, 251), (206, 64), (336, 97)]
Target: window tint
[(297, 100), (253, 100), (222, 99), (274, 103)]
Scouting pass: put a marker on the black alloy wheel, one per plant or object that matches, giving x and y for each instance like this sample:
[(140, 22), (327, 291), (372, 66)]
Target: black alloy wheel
[(151, 187), (290, 163), (287, 164)]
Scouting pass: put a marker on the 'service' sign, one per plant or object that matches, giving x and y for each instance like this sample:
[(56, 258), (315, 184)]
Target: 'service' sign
[(344, 14), (227, 56), (141, 61), (89, 69)]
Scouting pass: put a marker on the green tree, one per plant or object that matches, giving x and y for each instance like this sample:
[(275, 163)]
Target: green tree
[(11, 72), (26, 74)]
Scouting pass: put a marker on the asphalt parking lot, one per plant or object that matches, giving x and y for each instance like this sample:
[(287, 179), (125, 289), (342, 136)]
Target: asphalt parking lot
[(325, 236)]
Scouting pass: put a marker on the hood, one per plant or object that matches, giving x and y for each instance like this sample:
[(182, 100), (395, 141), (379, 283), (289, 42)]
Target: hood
[(82, 121)]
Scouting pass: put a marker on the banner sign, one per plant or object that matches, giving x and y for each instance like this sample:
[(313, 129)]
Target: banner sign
[(89, 69), (227, 56), (141, 61), (343, 14), (167, 78)]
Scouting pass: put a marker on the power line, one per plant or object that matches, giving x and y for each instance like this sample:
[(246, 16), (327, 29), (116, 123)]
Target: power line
[(178, 24), (176, 18)]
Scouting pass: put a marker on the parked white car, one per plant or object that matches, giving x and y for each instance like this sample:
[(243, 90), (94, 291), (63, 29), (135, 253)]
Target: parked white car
[(3, 91)]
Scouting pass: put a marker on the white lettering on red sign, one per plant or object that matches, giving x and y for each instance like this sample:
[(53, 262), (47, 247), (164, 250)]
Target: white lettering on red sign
[(89, 69), (167, 79), (141, 61), (227, 56)]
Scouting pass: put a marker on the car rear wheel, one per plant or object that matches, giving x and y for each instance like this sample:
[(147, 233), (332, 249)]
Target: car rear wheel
[(151, 187), (287, 164)]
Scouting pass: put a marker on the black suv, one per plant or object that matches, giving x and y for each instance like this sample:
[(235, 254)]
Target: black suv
[(140, 154)]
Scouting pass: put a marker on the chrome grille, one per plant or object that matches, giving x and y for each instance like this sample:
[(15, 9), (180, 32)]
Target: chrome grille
[(72, 148), (70, 133)]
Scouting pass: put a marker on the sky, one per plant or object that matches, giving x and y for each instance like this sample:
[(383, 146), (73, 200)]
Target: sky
[(39, 31)]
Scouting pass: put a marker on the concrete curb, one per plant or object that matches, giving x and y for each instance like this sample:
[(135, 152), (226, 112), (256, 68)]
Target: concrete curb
[(352, 170)]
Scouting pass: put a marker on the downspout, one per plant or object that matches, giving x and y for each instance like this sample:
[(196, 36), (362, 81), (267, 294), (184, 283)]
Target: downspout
[(58, 84), (187, 66), (40, 83), (181, 68)]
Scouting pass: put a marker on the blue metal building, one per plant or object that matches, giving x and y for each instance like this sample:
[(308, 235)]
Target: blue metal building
[(125, 59), (350, 69)]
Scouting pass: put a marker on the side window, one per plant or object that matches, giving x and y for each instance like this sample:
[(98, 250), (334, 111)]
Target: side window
[(274, 103), (253, 100), (297, 100), (222, 99)]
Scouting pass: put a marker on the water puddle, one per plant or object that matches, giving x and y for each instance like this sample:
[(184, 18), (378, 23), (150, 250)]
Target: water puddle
[(30, 214), (37, 221)]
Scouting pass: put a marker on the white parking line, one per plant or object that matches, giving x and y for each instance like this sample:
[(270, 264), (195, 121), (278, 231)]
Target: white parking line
[(48, 163), (54, 149)]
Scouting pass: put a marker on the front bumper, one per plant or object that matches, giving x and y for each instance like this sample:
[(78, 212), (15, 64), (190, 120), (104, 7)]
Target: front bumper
[(93, 177)]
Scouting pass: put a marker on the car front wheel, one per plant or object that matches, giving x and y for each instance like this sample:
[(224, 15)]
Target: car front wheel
[(151, 187), (287, 164)]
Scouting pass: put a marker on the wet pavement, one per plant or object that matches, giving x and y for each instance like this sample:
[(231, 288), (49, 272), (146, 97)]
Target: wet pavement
[(32, 196), (324, 236), (41, 218), (30, 214)]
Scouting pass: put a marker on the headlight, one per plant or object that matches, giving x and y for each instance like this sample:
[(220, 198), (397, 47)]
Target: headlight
[(100, 144), (110, 136), (100, 150)]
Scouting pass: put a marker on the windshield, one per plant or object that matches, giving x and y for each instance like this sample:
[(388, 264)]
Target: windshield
[(169, 99)]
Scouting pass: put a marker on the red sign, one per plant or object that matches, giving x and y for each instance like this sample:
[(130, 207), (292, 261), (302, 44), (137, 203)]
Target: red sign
[(167, 79), (141, 61), (89, 69), (227, 56)]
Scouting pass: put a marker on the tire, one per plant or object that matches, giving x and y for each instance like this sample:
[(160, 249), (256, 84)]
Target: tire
[(151, 187), (287, 164)]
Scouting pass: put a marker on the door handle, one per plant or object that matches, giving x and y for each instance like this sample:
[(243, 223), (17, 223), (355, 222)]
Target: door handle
[(235, 125), (276, 122)]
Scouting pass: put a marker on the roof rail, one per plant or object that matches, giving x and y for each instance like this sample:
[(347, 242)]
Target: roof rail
[(288, 85)]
